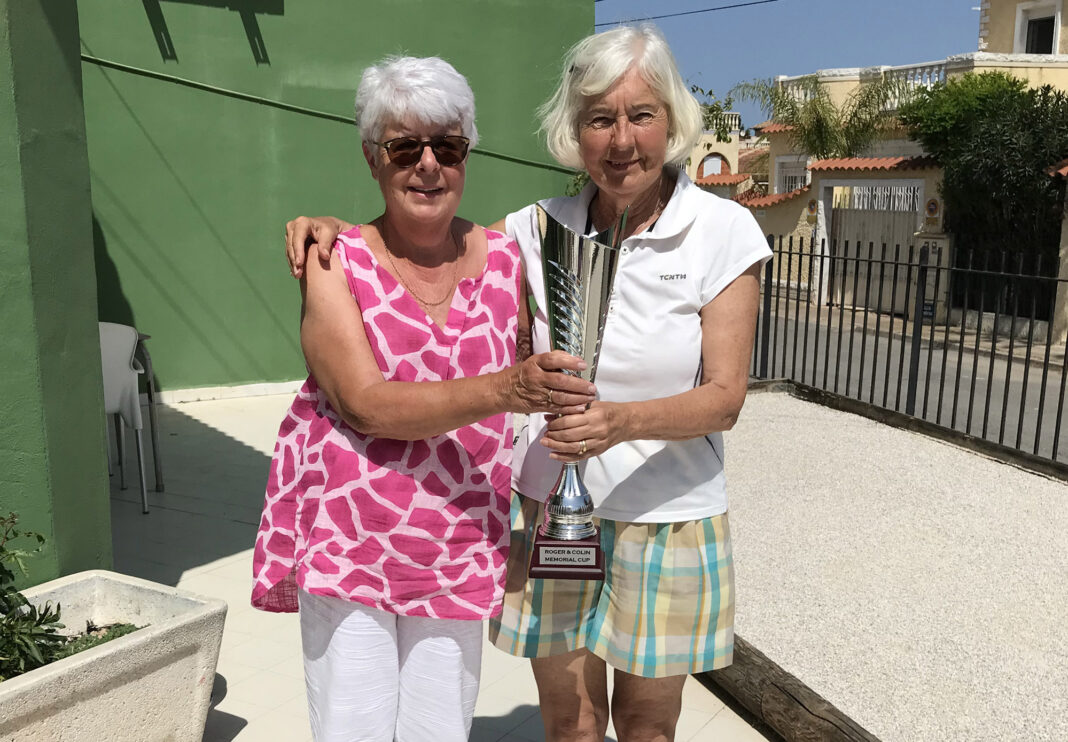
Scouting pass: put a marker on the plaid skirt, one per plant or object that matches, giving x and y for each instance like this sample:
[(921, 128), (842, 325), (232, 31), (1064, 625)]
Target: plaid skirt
[(665, 607)]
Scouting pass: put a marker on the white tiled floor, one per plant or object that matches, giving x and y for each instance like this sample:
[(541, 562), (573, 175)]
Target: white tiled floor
[(198, 536)]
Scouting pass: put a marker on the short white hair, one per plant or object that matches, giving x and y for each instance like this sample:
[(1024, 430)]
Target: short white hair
[(594, 65), (423, 90)]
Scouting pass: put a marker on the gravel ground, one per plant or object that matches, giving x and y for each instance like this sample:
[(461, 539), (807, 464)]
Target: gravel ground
[(920, 587)]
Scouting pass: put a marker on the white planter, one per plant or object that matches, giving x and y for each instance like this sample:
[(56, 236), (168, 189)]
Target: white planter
[(153, 684)]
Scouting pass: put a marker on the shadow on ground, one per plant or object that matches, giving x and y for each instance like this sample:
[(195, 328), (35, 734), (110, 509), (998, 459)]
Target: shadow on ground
[(221, 726), (211, 507), (521, 724)]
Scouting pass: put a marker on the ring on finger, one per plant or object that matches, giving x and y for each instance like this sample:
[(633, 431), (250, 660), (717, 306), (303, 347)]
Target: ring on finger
[(582, 450), (550, 396)]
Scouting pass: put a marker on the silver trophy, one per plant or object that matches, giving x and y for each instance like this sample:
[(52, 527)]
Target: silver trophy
[(578, 273)]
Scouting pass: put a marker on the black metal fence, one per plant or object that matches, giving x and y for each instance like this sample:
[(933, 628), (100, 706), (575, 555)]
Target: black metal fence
[(962, 341)]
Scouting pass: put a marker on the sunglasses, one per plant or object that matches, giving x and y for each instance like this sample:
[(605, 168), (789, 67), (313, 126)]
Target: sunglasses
[(407, 151)]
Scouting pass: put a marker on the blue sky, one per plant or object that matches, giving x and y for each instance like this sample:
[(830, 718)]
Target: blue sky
[(794, 37)]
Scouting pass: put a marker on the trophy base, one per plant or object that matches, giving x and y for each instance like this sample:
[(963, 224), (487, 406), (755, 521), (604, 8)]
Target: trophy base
[(567, 560)]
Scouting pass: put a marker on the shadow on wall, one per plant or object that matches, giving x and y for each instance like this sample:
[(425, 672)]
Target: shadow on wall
[(247, 10), (140, 248), (111, 303), (61, 16)]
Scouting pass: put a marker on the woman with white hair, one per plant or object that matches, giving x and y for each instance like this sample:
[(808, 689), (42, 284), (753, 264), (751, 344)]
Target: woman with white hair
[(386, 514), (672, 375)]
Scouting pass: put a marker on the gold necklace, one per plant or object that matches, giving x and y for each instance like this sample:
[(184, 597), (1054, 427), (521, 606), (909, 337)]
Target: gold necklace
[(452, 285)]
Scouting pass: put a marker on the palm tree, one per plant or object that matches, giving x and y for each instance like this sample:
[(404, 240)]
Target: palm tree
[(818, 127)]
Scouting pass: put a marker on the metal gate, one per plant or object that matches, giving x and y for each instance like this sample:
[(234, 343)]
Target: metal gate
[(871, 226)]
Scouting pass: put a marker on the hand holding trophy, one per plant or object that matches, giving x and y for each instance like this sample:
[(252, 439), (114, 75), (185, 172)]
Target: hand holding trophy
[(578, 272)]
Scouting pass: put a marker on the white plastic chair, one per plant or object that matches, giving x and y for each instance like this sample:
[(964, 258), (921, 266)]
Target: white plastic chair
[(117, 346)]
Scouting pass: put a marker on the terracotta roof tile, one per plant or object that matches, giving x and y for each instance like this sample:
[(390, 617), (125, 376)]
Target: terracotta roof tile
[(726, 179), (770, 127), (875, 163), (762, 202), (747, 159)]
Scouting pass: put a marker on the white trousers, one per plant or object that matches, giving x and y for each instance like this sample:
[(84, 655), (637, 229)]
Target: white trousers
[(374, 676)]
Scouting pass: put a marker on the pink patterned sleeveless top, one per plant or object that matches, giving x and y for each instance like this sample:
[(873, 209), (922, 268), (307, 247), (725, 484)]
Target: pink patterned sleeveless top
[(416, 528)]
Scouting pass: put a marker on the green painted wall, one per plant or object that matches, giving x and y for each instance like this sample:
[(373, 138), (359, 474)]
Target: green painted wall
[(191, 189), (52, 461)]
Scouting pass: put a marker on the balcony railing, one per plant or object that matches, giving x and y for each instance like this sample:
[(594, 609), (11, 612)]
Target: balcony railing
[(923, 75), (927, 74), (732, 120)]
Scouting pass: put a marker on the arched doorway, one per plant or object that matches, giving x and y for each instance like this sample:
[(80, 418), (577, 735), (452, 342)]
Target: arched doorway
[(713, 164)]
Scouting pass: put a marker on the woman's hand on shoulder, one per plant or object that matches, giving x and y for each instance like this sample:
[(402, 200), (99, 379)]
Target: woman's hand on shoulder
[(539, 384), (588, 433), (305, 234)]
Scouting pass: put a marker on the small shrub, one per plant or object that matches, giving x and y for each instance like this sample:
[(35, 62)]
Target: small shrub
[(996, 139), (29, 635)]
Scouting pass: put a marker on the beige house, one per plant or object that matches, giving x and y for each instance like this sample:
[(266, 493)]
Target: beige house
[(1023, 27), (1024, 38), (724, 167), (893, 189), (712, 157)]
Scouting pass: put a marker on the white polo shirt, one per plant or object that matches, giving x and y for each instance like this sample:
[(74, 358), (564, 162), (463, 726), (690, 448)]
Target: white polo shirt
[(651, 348)]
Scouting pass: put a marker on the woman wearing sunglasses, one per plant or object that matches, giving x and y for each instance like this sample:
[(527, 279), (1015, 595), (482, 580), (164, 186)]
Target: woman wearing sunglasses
[(386, 514), (672, 376)]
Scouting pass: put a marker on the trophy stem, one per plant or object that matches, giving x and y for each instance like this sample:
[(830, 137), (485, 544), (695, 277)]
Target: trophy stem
[(569, 509)]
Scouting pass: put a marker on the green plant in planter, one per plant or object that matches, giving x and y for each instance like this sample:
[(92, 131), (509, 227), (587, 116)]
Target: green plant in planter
[(29, 635)]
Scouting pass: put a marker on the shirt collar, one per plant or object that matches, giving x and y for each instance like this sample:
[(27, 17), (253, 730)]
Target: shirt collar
[(679, 212)]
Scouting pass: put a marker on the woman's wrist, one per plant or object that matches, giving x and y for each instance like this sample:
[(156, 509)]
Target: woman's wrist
[(622, 421), (626, 422), (504, 385)]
